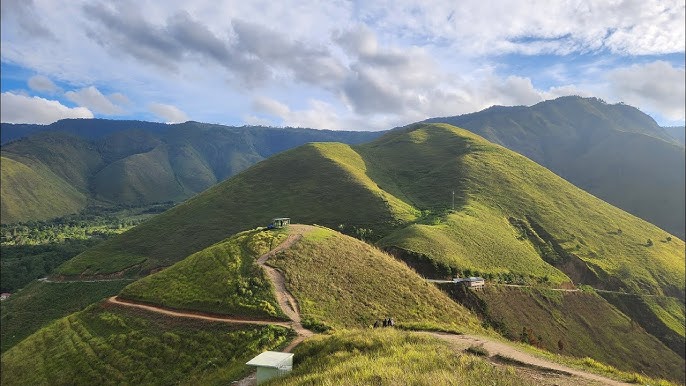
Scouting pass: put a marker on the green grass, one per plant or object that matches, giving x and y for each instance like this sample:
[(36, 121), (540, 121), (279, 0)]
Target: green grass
[(400, 187), (106, 344), (221, 279), (342, 282), (30, 191), (661, 316), (613, 151), (493, 184), (40, 303), (584, 323), (127, 162), (390, 357)]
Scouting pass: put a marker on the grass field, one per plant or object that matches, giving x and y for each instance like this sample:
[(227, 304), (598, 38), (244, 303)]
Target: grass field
[(341, 282), (400, 187), (221, 279), (390, 357), (579, 324), (107, 345), (40, 303)]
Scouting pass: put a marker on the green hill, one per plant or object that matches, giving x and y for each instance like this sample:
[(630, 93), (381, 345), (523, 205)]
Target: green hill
[(514, 222), (115, 163), (513, 219), (221, 279), (340, 282), (390, 357), (580, 324), (107, 345), (614, 152), (31, 191)]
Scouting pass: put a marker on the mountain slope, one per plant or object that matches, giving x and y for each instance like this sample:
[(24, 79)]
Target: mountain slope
[(139, 163), (580, 324), (513, 218), (31, 191), (615, 152)]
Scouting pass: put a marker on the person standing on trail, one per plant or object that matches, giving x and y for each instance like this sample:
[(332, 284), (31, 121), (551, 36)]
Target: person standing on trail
[(376, 324), (385, 322), (391, 323)]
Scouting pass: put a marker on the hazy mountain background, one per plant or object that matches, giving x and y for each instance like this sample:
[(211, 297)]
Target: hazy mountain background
[(613, 151), (52, 170)]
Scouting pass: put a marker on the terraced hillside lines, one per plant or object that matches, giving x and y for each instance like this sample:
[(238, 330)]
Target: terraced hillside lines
[(114, 344), (222, 279)]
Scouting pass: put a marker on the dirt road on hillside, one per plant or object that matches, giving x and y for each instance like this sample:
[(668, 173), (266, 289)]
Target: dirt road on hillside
[(547, 372), (505, 350)]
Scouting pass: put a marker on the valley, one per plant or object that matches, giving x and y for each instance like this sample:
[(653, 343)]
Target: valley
[(428, 201)]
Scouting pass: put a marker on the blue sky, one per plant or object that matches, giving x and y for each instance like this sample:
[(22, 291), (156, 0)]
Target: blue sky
[(336, 64)]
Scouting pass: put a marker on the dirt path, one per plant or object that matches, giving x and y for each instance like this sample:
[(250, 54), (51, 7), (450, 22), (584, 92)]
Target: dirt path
[(540, 367), (498, 348), (194, 315), (286, 301)]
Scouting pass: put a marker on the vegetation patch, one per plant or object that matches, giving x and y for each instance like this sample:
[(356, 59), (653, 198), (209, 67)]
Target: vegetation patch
[(106, 344), (40, 303), (578, 324), (221, 279), (389, 357), (344, 282)]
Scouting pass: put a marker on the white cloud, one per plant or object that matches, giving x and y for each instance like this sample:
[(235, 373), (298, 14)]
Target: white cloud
[(93, 99), (24, 109), (656, 86), (372, 65), (119, 98), (170, 114), (42, 83)]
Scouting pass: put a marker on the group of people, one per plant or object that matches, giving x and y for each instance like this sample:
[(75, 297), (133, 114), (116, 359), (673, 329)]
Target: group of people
[(388, 322)]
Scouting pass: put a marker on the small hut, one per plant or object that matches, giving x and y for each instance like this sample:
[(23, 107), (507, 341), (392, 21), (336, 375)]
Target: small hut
[(271, 364), (279, 222), (475, 283)]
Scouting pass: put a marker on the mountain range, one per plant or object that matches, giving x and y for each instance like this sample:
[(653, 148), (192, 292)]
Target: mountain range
[(53, 170), (613, 151)]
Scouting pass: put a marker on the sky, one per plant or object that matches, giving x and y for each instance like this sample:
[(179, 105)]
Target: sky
[(352, 65)]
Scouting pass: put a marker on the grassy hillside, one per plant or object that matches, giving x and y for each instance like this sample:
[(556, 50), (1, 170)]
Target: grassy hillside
[(389, 357), (508, 210), (31, 191), (221, 279), (105, 345), (580, 324), (308, 184), (135, 163), (513, 200), (340, 281), (615, 152), (40, 303), (663, 317)]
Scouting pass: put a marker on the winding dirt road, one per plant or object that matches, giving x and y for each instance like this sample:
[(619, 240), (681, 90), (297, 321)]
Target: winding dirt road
[(289, 305)]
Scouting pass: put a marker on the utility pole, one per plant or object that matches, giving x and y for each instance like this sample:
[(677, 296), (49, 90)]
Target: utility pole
[(453, 200)]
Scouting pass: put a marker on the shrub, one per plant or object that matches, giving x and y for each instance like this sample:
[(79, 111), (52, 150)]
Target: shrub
[(478, 350)]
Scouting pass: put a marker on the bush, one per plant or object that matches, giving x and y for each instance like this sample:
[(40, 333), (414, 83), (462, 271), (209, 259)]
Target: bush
[(478, 350)]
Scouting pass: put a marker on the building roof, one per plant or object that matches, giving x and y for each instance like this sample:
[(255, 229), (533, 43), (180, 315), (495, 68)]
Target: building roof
[(472, 278), (270, 359)]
